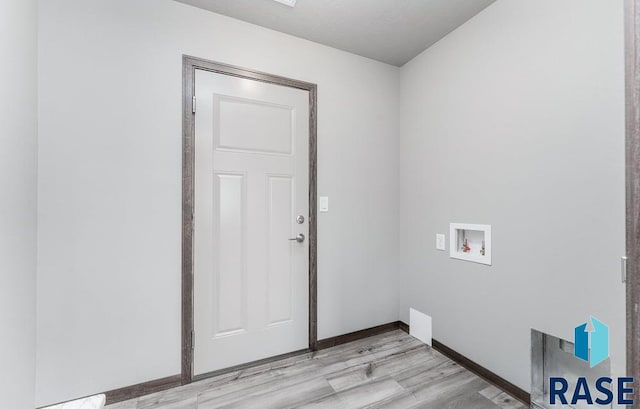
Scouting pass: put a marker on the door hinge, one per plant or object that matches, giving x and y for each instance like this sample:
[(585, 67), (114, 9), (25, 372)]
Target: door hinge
[(193, 104), (623, 269), (193, 340)]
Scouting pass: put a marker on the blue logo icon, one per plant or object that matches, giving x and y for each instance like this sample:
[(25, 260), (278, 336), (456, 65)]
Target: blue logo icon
[(592, 342), (591, 345)]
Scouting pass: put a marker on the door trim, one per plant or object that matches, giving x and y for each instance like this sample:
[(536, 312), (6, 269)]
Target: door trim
[(632, 69), (189, 65)]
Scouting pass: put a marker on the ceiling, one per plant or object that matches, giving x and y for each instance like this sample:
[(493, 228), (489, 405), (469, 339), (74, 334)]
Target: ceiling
[(391, 31)]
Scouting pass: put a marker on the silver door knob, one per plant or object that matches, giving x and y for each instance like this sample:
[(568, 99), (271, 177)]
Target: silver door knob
[(299, 238)]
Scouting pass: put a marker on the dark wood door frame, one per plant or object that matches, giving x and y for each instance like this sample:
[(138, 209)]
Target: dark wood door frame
[(632, 45), (190, 65)]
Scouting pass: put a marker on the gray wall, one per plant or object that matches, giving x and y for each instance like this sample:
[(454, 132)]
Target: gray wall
[(18, 153), (110, 194), (516, 119)]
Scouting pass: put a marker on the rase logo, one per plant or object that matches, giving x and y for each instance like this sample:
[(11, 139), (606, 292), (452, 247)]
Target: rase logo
[(591, 341)]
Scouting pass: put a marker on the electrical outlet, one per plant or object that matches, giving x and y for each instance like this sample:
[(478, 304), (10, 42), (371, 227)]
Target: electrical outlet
[(440, 242)]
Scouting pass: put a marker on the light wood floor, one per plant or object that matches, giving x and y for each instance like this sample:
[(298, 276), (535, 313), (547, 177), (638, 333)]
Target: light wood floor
[(391, 370)]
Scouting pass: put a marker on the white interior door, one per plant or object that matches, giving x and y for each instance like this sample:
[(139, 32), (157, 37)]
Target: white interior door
[(251, 282)]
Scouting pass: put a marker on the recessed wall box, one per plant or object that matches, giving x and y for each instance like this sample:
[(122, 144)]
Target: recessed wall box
[(470, 242)]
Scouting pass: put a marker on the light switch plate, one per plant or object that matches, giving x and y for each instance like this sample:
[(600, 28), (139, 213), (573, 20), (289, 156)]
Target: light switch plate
[(441, 242), (324, 204)]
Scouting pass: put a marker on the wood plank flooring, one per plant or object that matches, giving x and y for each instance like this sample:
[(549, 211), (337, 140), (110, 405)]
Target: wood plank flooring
[(391, 370)]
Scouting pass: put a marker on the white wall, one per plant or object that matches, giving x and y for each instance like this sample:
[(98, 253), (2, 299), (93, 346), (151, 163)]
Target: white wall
[(516, 120), (110, 168), (18, 153)]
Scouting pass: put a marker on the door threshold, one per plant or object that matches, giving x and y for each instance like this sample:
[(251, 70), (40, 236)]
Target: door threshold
[(248, 365)]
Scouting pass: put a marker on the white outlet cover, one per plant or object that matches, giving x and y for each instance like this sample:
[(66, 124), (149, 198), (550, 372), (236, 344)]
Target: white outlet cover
[(441, 241)]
